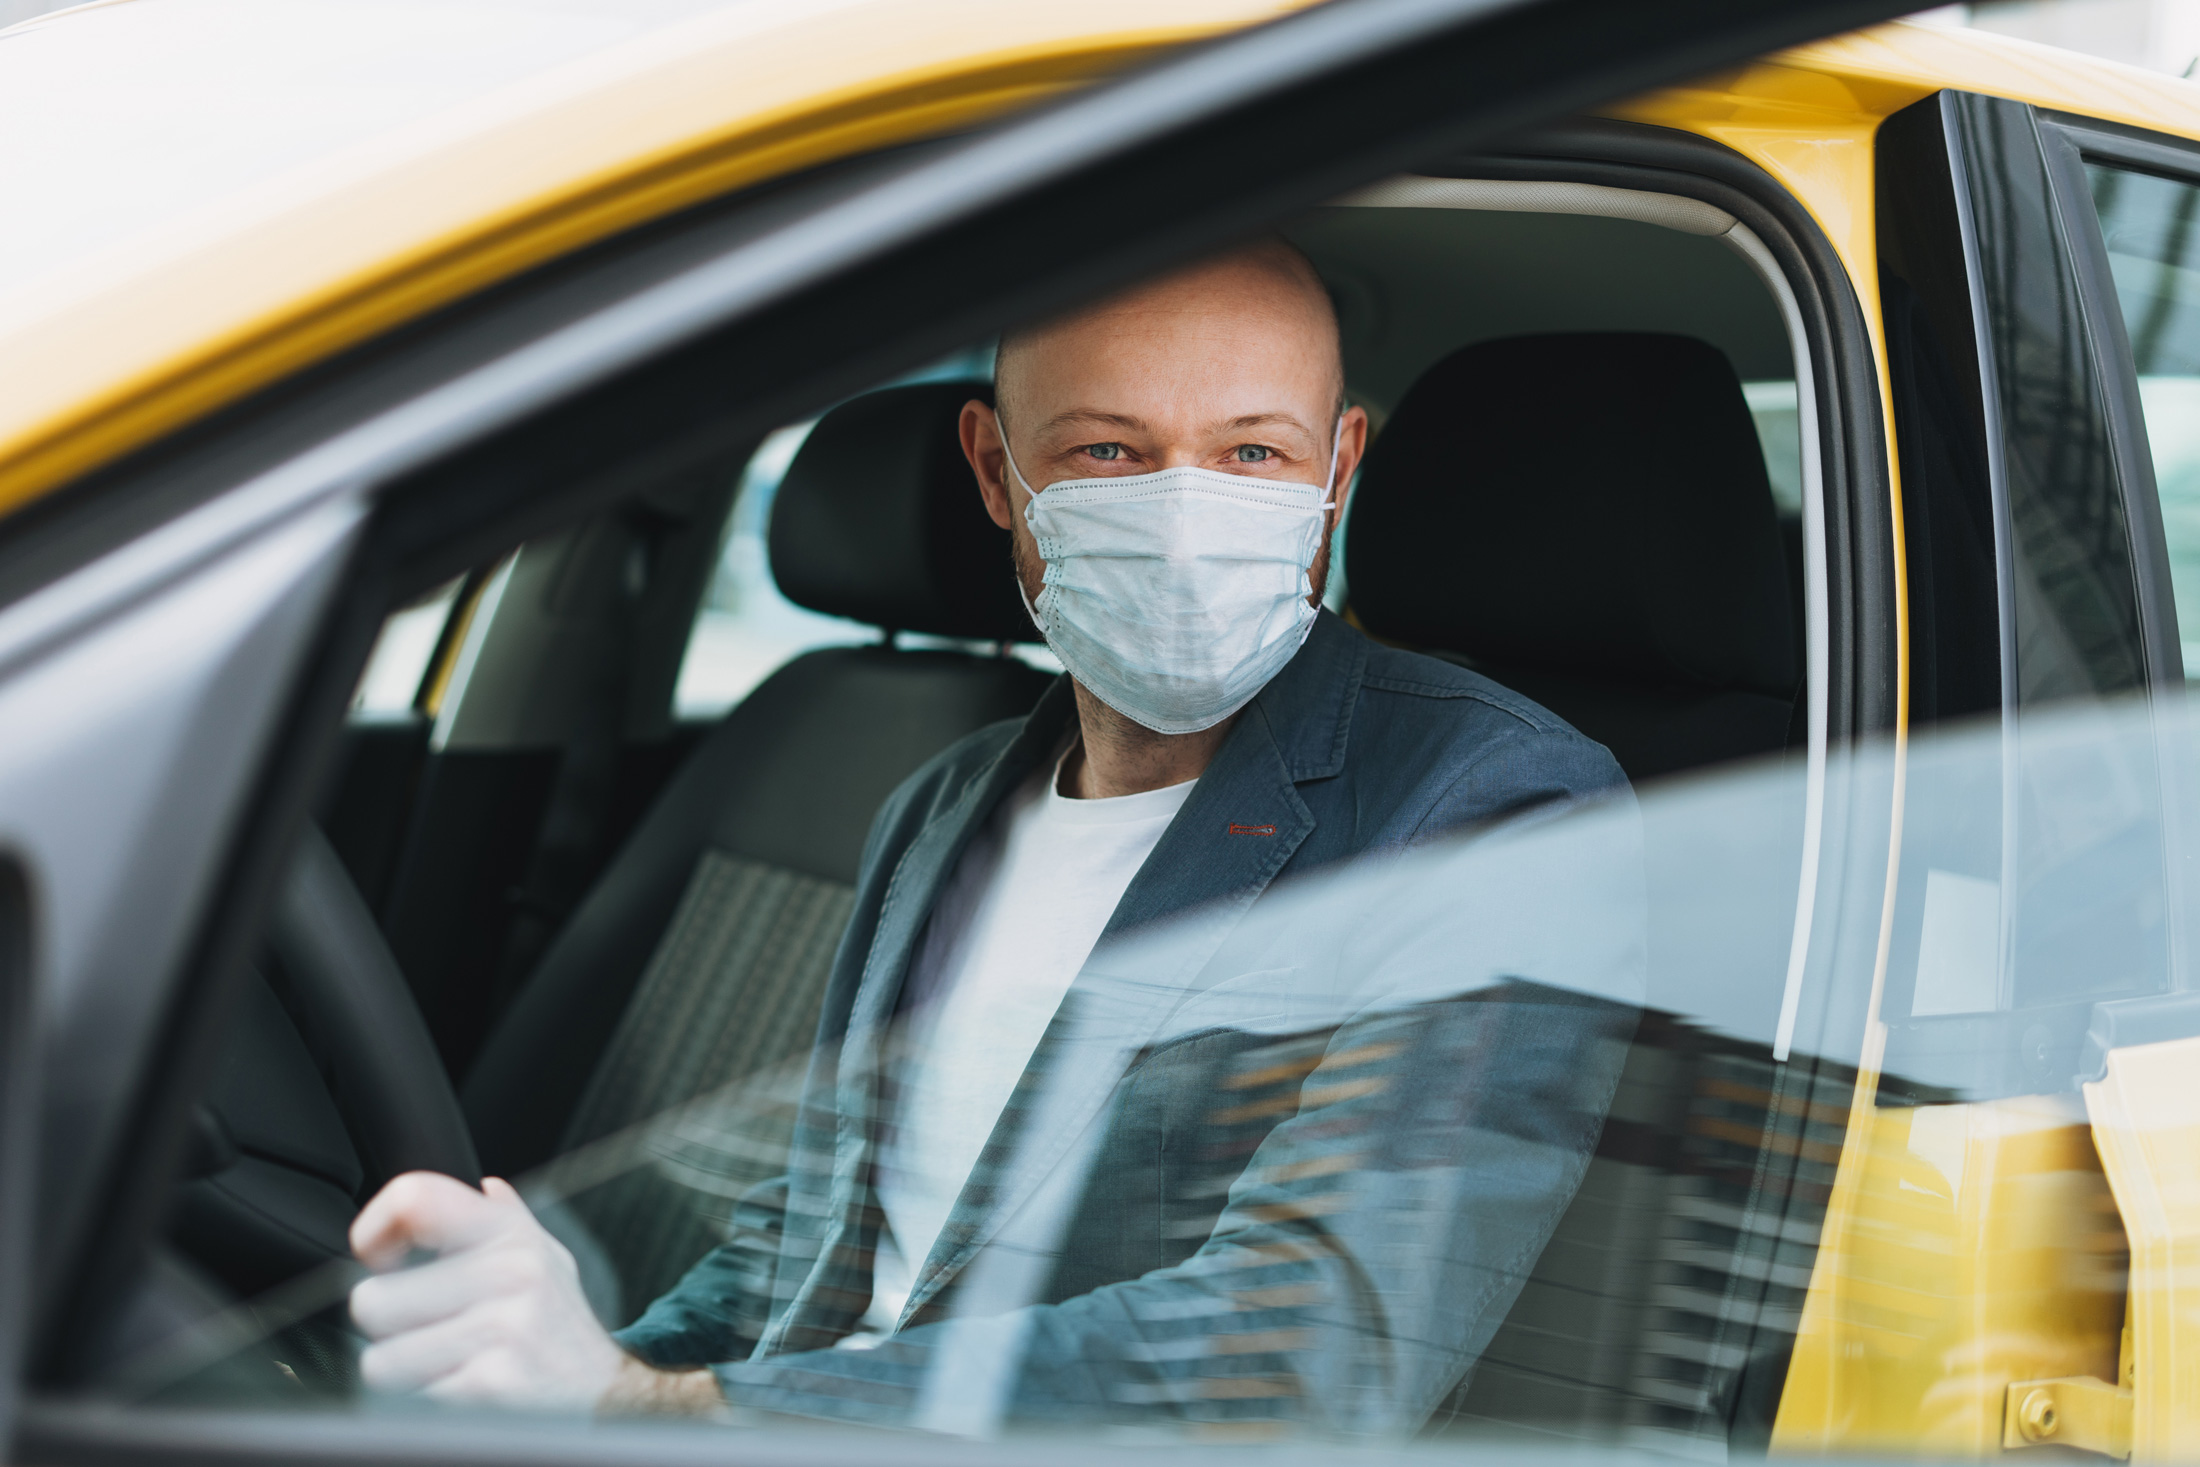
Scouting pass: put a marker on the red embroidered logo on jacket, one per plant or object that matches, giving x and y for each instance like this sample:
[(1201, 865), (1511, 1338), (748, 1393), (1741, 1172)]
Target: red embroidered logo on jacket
[(1236, 829)]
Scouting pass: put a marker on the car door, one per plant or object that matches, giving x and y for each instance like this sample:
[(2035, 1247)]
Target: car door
[(2037, 937), (274, 547)]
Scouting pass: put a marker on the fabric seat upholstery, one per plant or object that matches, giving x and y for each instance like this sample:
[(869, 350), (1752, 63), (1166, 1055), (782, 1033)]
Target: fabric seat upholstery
[(1585, 517), (697, 962)]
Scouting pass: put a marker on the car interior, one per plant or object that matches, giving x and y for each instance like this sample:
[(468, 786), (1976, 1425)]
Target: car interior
[(542, 910)]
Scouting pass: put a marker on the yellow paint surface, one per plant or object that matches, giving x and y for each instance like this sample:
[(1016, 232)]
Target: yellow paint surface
[(169, 325), (1967, 1246), (2146, 1121), (1932, 1291), (160, 330)]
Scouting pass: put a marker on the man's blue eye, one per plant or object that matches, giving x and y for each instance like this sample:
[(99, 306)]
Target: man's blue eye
[(1106, 452), (1251, 453)]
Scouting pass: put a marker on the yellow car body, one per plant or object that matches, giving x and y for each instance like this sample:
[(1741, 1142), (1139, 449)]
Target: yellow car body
[(1924, 1309), (237, 282)]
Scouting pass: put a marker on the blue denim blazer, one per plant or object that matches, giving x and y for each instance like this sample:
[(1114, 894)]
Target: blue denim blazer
[(1353, 751)]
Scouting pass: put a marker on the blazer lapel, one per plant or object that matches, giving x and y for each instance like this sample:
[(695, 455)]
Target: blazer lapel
[(923, 868), (920, 873), (1239, 828)]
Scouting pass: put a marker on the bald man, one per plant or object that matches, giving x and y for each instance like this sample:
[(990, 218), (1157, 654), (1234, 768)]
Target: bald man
[(984, 1223)]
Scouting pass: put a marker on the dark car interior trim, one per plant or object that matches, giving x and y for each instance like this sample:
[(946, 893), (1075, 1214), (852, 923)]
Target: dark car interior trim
[(1949, 531), (18, 1134), (1863, 653)]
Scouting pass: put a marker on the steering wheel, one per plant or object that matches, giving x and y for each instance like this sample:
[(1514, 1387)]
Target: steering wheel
[(355, 1007), (330, 1086)]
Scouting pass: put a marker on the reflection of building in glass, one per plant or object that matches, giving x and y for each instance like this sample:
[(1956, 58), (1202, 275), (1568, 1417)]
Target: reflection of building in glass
[(1668, 1299)]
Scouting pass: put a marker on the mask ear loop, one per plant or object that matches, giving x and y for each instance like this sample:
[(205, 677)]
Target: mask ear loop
[(1024, 483), (1030, 497), (1329, 486)]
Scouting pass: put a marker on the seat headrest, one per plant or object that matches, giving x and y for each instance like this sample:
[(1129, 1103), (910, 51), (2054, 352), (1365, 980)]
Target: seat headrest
[(878, 519), (1591, 503)]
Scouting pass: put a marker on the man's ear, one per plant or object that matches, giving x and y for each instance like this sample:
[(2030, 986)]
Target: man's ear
[(1351, 448), (981, 444)]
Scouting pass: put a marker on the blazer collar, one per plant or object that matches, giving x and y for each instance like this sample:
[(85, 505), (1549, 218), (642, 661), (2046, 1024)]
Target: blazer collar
[(1296, 729), (1309, 704), (1241, 824)]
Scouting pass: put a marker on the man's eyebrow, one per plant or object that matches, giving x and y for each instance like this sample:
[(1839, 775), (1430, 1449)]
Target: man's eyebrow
[(1262, 420), (1093, 416)]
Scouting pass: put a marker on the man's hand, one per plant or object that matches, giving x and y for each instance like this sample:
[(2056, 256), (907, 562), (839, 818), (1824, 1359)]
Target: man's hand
[(498, 1317)]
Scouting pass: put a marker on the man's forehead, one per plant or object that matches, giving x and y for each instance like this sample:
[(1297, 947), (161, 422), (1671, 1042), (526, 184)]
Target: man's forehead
[(1173, 367), (1181, 321)]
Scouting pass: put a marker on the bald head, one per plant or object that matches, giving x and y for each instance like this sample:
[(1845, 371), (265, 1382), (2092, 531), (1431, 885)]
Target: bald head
[(1262, 302)]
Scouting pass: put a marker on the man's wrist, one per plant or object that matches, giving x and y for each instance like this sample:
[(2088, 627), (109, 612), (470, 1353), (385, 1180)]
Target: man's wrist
[(641, 1389)]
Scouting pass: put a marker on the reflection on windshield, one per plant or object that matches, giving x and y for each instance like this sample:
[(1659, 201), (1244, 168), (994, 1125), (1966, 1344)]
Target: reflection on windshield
[(1486, 1139)]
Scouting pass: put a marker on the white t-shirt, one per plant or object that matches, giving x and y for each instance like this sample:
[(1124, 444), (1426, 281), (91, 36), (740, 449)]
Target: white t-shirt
[(1010, 931)]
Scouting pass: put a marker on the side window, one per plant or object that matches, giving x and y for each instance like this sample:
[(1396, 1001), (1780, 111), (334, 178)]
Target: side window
[(1773, 407), (2021, 543), (404, 654), (2151, 226), (744, 627)]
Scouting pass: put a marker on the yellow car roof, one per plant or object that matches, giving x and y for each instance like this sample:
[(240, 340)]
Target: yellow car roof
[(204, 195)]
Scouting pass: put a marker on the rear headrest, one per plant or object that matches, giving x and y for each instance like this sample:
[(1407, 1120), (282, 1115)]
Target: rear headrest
[(878, 518), (1587, 503)]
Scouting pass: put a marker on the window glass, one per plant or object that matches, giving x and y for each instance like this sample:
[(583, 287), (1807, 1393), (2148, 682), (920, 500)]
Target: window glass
[(1527, 1103), (745, 629), (390, 687), (1497, 1137), (2152, 228), (1779, 428)]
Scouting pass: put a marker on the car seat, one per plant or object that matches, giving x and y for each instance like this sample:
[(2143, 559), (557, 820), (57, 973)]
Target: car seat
[(699, 958), (1585, 517)]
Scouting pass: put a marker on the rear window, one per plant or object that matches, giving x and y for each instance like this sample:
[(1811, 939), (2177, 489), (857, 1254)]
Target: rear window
[(2152, 228)]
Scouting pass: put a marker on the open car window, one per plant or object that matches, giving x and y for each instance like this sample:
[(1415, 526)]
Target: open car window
[(745, 627)]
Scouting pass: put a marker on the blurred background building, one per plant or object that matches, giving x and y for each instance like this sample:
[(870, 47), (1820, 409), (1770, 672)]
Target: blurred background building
[(2162, 35)]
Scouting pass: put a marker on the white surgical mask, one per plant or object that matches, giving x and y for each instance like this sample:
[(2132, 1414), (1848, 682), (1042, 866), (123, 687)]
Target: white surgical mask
[(1175, 596)]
